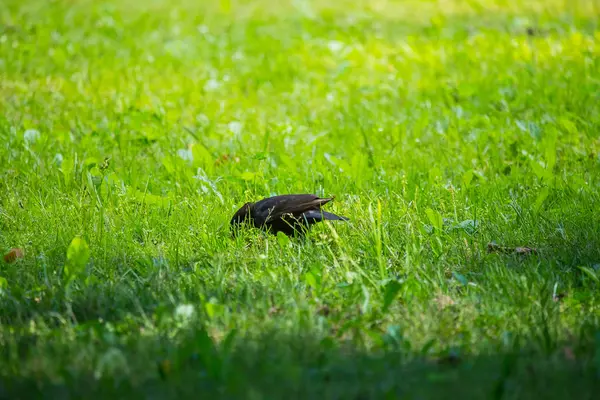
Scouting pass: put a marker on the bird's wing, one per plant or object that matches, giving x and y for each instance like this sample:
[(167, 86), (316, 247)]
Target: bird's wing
[(294, 204)]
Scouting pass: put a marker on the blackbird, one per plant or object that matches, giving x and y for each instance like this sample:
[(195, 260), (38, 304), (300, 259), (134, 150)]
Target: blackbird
[(289, 213)]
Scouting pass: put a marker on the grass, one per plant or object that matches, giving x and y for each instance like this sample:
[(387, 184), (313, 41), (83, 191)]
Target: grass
[(130, 132)]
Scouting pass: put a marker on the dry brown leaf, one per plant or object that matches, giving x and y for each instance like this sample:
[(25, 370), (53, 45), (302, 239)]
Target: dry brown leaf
[(524, 251), (569, 354), (226, 157), (443, 301), (13, 255), (451, 359), (164, 368), (558, 297), (324, 310), (274, 310)]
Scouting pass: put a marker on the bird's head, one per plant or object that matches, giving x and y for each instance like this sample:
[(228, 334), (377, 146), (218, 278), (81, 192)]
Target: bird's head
[(241, 216)]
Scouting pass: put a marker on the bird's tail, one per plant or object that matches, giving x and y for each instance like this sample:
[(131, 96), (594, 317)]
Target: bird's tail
[(333, 217), (320, 215)]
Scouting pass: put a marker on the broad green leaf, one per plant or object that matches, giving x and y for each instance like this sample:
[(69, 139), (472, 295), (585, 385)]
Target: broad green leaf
[(92, 280), (225, 6), (568, 125), (390, 293), (435, 218), (539, 201), (260, 156), (366, 305), (540, 171), (247, 175), (78, 255), (227, 344), (67, 167), (168, 164), (550, 152), (467, 177), (90, 162), (212, 309), (310, 280), (201, 156), (461, 278), (149, 198), (590, 273), (468, 225), (550, 157), (282, 239), (342, 164), (434, 174)]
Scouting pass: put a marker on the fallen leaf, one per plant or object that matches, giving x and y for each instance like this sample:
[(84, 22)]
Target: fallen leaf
[(164, 368), (452, 359), (274, 310), (558, 297), (569, 354), (226, 157), (443, 301), (324, 310), (13, 255), (531, 31), (524, 251), (222, 158)]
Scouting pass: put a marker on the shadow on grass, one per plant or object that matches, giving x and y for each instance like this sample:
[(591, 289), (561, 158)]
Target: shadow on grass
[(93, 360), (277, 366)]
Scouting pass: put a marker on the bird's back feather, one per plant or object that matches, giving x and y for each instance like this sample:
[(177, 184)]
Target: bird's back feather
[(295, 204)]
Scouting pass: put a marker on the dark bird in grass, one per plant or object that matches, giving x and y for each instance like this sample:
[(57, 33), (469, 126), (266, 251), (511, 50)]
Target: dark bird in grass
[(289, 213)]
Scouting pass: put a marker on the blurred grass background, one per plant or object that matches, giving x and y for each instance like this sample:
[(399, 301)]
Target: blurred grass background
[(440, 126)]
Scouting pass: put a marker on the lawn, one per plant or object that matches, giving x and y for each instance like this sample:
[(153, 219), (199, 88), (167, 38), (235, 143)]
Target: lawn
[(461, 137)]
